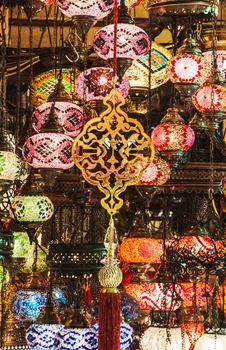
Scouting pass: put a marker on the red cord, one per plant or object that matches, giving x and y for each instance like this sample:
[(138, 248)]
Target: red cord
[(115, 39)]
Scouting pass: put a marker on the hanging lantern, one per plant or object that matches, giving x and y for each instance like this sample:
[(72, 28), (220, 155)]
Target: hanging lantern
[(209, 99), (70, 116), (196, 246), (156, 338), (132, 42), (141, 250), (44, 84), (200, 291), (155, 296), (148, 72), (42, 336), (211, 342), (181, 7), (95, 83), (32, 208), (76, 339), (50, 149), (172, 138), (188, 69), (156, 173)]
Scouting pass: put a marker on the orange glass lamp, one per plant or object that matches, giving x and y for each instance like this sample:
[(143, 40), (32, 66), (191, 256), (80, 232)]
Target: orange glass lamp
[(200, 291), (155, 296), (141, 250)]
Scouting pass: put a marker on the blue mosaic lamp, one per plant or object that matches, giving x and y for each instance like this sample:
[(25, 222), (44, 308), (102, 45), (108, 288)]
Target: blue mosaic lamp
[(41, 336), (76, 335)]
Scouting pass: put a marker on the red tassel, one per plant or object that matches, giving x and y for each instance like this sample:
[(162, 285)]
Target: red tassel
[(109, 319)]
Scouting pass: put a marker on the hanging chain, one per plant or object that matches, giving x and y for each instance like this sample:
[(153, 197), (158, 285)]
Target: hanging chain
[(3, 61)]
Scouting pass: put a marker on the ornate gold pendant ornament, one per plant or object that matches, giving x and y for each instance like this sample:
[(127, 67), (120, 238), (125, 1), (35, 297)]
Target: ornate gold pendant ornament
[(108, 150)]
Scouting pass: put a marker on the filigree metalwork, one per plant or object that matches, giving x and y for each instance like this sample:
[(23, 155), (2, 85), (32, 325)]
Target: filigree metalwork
[(108, 150)]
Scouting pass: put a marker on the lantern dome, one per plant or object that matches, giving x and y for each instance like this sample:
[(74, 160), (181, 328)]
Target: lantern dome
[(36, 208), (95, 83), (155, 296), (70, 116), (95, 8), (49, 150), (141, 250), (132, 42), (156, 338), (211, 341)]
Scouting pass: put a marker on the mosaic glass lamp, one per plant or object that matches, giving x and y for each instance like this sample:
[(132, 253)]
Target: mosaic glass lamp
[(172, 137), (211, 341), (141, 250), (188, 69), (95, 83), (132, 42), (156, 338), (70, 116), (156, 173), (34, 208), (155, 295), (49, 149), (44, 84), (200, 291), (42, 336), (209, 99), (95, 8)]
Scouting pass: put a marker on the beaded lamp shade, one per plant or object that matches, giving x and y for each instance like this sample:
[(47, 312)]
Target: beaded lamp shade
[(156, 173), (36, 208), (70, 116), (221, 60), (76, 339), (198, 248), (44, 84), (141, 250), (42, 336), (132, 42), (49, 150), (211, 341), (138, 73), (156, 338), (155, 296), (95, 83), (96, 8), (200, 291)]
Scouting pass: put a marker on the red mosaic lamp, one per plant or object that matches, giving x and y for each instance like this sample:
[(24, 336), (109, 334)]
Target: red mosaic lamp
[(200, 291), (172, 137), (210, 99), (188, 69), (156, 173)]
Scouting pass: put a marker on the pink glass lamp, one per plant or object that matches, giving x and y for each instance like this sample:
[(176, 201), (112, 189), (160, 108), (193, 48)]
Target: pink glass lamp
[(85, 12), (172, 137), (70, 116), (156, 173)]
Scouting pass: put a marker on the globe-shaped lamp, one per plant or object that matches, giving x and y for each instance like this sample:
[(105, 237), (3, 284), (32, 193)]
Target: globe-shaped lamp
[(156, 173), (209, 99), (188, 69), (76, 339), (70, 116), (42, 336), (96, 8), (211, 341), (32, 208), (172, 138), (156, 338)]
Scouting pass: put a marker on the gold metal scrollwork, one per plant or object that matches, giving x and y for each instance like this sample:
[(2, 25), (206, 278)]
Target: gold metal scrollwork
[(107, 150)]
